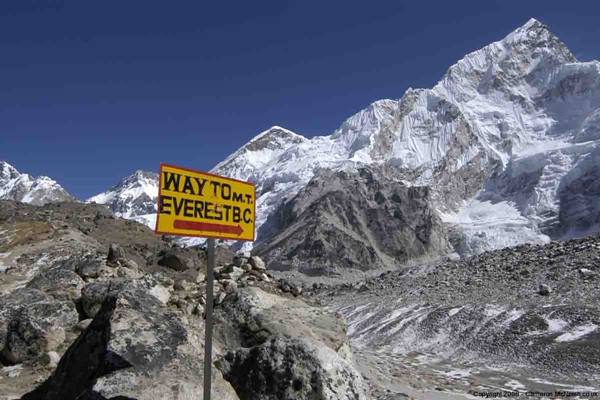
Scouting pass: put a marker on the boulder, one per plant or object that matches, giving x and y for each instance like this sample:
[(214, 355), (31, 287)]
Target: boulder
[(174, 259), (91, 267), (32, 324), (94, 294), (240, 261), (257, 263), (544, 290), (293, 369), (231, 272), (135, 348), (59, 282), (115, 253), (283, 348)]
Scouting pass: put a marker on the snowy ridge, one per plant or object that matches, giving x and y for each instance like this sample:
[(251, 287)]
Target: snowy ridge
[(513, 127), (23, 187), (133, 197)]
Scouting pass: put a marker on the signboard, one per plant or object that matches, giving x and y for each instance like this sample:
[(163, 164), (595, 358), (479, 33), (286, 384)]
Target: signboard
[(194, 203)]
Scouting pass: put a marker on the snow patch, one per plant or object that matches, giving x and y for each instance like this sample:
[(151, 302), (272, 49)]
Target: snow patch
[(576, 333), (488, 226)]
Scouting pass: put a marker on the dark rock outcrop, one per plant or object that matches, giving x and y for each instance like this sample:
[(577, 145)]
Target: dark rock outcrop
[(360, 220)]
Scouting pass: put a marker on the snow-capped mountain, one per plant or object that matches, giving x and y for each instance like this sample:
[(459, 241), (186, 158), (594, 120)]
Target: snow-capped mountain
[(508, 141), (511, 130), (23, 187), (134, 197)]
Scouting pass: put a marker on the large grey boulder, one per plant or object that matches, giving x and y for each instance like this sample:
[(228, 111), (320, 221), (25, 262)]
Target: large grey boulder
[(175, 259), (59, 282), (32, 324), (283, 348), (135, 348), (291, 369), (94, 294)]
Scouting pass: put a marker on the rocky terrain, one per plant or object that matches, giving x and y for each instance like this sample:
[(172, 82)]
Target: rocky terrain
[(98, 307), (525, 318)]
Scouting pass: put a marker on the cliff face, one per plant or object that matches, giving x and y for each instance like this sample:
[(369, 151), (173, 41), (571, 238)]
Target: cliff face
[(363, 219)]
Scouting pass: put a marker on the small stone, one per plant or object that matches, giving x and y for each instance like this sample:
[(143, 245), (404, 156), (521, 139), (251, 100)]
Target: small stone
[(230, 286), (265, 277), (220, 297), (257, 263), (544, 290), (115, 253), (296, 290), (586, 273), (198, 309), (201, 277), (189, 309), (182, 284), (240, 261), (50, 359), (83, 324), (247, 267), (224, 276)]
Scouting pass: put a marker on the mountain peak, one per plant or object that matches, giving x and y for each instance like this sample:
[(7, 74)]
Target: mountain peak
[(133, 195), (25, 188), (7, 171), (275, 132), (537, 36)]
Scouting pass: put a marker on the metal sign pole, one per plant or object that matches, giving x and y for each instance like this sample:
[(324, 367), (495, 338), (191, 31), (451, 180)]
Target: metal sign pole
[(209, 318)]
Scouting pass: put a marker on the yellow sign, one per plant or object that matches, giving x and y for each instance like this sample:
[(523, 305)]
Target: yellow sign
[(194, 203)]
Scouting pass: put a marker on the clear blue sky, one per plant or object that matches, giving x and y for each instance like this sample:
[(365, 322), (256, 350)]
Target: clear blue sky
[(92, 90)]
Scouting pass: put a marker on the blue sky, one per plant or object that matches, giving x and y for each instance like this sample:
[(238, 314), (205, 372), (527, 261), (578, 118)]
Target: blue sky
[(91, 91)]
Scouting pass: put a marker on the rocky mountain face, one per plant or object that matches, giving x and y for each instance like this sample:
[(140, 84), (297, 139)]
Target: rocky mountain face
[(352, 219), (98, 307), (23, 187)]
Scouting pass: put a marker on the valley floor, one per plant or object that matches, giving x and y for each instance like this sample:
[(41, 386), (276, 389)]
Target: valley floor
[(524, 319)]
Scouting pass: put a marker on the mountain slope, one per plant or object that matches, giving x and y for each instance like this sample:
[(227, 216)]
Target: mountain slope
[(512, 128), (361, 219), (509, 126), (27, 189)]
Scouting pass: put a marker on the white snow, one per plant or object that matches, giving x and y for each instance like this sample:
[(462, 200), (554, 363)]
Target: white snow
[(458, 373), (577, 333), (454, 311), (514, 385), (493, 310), (556, 325), (487, 225)]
